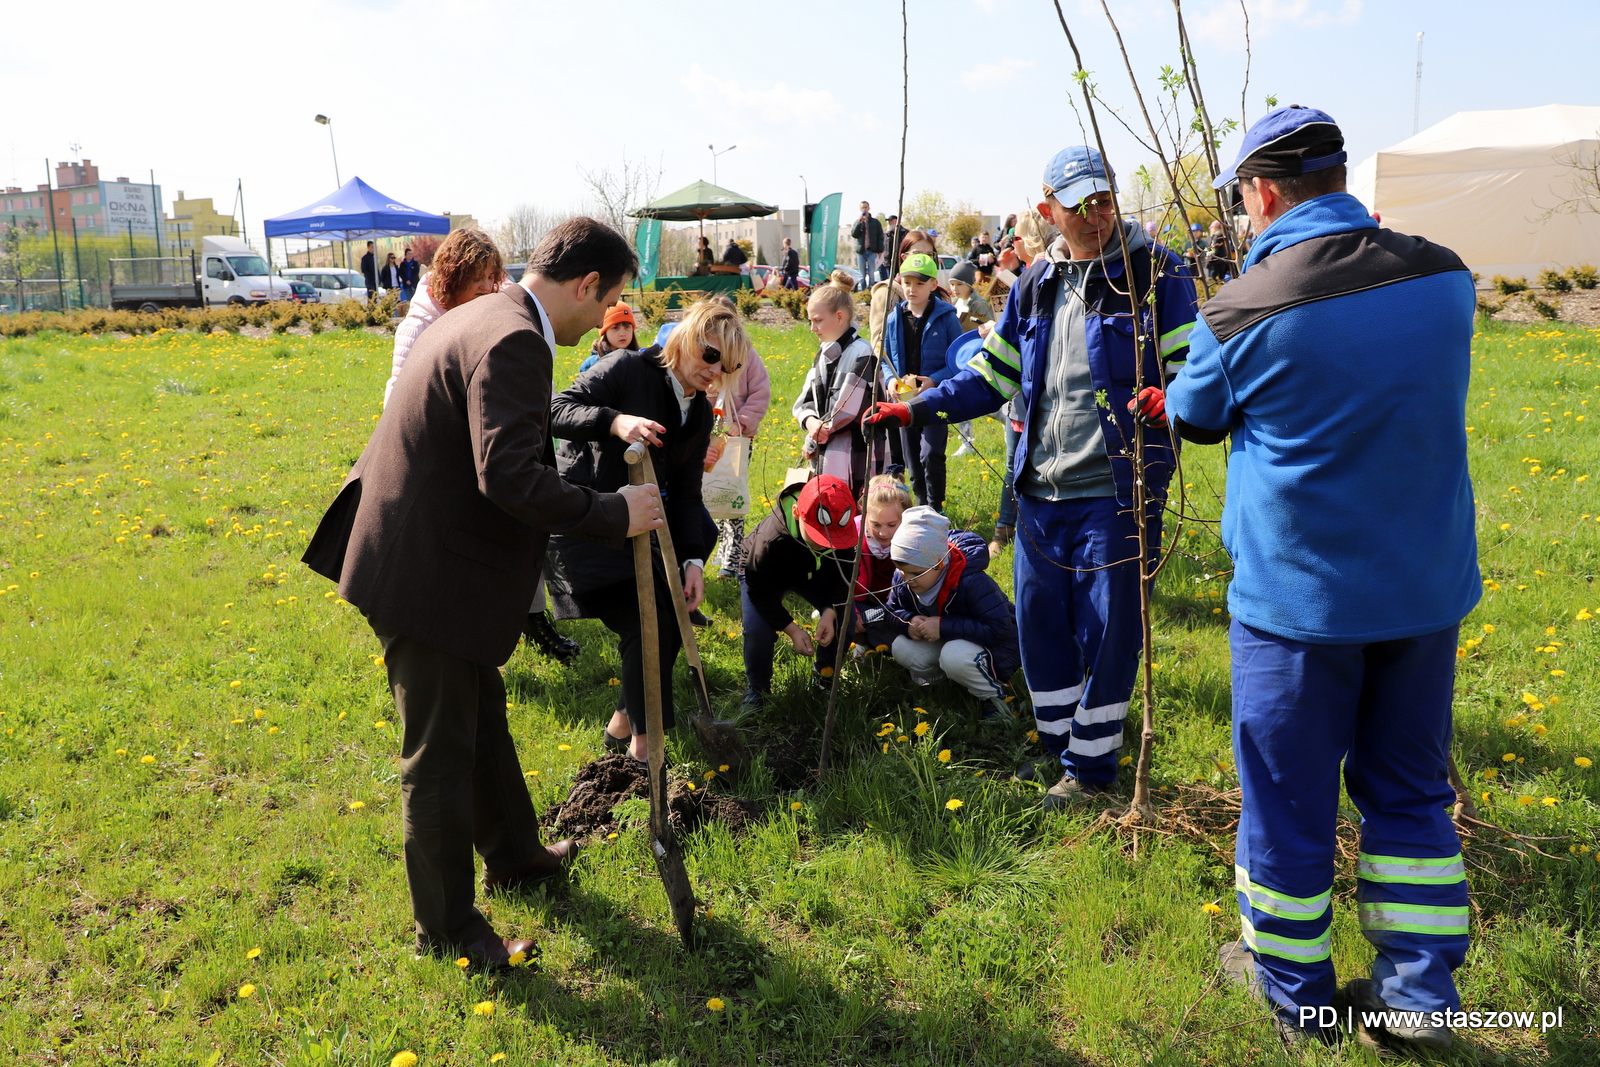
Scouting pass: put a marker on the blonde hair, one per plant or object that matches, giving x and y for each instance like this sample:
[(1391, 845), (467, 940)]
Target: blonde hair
[(841, 278), (831, 298), (712, 324), (887, 489), (1036, 232)]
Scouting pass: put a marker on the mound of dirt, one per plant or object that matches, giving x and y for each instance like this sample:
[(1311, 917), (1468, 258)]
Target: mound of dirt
[(602, 785)]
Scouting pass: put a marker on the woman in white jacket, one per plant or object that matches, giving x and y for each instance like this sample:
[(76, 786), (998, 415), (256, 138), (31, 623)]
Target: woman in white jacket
[(466, 265)]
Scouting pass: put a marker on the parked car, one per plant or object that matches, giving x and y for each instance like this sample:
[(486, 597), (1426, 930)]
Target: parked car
[(763, 275), (332, 284), (303, 292)]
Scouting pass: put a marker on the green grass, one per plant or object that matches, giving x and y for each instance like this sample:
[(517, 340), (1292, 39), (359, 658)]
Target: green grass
[(188, 722)]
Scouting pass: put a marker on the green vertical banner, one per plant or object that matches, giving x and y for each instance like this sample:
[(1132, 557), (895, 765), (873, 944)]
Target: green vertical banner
[(647, 241), (822, 240)]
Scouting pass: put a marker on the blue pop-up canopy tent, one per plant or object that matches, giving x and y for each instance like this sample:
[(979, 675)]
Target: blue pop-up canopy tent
[(354, 211)]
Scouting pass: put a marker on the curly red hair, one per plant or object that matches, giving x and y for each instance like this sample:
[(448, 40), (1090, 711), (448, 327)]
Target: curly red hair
[(462, 260)]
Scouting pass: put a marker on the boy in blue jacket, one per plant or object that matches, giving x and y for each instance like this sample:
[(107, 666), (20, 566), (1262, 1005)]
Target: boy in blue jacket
[(951, 619), (916, 338)]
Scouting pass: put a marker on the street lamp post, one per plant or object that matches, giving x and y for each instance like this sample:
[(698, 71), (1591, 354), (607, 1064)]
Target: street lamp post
[(326, 121), (714, 154)]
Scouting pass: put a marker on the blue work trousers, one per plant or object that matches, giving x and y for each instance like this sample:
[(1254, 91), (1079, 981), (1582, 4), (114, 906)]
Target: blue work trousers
[(1382, 711), (1077, 591)]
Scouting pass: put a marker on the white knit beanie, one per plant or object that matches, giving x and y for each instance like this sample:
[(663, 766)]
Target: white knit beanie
[(922, 539)]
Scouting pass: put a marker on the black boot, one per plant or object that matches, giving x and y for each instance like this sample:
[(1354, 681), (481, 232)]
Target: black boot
[(541, 632)]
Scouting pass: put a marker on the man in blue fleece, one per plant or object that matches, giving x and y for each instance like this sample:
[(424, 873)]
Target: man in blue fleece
[(1338, 363)]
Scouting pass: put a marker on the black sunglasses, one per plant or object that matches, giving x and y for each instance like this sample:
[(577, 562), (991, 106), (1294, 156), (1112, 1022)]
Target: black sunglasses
[(710, 355)]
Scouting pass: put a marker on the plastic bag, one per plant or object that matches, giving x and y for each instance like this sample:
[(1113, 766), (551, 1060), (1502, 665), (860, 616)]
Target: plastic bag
[(725, 489)]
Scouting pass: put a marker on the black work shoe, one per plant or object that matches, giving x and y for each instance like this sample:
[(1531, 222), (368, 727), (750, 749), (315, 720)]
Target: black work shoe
[(541, 632), (1401, 1029), (1239, 967), (698, 618)]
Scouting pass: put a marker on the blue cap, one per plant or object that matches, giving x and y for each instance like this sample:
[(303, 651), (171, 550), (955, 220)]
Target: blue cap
[(1076, 174), (1282, 142), (964, 349)]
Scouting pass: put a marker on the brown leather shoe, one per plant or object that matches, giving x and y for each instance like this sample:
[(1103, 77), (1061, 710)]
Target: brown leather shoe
[(493, 952), (557, 858)]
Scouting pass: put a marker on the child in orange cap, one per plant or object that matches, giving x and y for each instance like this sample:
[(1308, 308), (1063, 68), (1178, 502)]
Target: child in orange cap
[(618, 333)]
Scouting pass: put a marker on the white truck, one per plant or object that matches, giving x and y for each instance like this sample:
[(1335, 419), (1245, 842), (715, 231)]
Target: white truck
[(227, 271)]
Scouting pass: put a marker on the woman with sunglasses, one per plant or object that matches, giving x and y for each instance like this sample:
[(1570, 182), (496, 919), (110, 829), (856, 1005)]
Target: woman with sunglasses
[(658, 396)]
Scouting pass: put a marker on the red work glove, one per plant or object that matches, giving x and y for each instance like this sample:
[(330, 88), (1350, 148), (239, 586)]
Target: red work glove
[(884, 411), (1150, 408)]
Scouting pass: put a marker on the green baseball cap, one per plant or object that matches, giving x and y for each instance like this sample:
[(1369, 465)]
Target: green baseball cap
[(920, 263)]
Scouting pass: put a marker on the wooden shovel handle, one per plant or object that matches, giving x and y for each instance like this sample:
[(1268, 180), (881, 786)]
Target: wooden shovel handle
[(650, 652)]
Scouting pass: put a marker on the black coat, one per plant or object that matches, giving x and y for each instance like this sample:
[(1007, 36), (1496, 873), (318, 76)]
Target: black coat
[(628, 383)]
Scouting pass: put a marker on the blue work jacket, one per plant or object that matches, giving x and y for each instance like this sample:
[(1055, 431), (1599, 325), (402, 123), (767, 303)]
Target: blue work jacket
[(1015, 356)]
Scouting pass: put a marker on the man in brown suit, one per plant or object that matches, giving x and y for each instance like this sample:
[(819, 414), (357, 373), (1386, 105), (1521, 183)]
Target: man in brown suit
[(439, 536)]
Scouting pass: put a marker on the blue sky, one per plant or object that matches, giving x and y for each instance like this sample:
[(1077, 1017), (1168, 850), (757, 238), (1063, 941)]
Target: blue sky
[(476, 106)]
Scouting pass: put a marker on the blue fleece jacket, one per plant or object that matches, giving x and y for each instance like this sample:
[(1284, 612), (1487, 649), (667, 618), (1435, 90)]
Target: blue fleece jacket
[(1341, 372), (971, 605), (940, 327)]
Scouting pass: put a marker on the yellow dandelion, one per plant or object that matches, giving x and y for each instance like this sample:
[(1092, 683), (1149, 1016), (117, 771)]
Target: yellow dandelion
[(563, 748), (1525, 801), (944, 755), (690, 786), (613, 681), (1211, 908), (1033, 736), (710, 775), (795, 805), (463, 963), (1491, 772), (357, 805), (1508, 757), (715, 1004), (722, 768), (920, 711), (1558, 674), (147, 759), (902, 738), (952, 804), (124, 752), (381, 724), (247, 991), (612, 836), (260, 714), (826, 672), (881, 648), (236, 683), (885, 745), (252, 954), (1488, 627), (517, 958), (1124, 761), (1540, 729), (377, 661), (484, 1008), (405, 1058), (497, 1057), (1583, 761), (921, 729), (272, 729), (1549, 802)]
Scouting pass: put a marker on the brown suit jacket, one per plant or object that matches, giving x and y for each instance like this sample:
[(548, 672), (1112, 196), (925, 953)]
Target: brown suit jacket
[(439, 532)]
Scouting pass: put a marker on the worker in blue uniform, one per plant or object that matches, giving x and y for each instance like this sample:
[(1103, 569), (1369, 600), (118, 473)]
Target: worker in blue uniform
[(1074, 347), (1338, 364)]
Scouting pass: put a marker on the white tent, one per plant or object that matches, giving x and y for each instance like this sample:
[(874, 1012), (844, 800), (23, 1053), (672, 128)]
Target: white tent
[(1495, 186)]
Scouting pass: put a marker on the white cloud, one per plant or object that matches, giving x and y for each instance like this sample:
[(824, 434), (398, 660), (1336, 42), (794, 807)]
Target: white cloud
[(989, 75), (776, 103), (1224, 23)]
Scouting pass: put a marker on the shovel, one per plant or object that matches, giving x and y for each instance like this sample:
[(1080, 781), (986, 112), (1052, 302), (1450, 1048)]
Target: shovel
[(721, 739), (663, 842)]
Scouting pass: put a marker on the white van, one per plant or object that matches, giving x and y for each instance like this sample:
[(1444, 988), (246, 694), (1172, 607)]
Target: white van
[(332, 283), (232, 273)]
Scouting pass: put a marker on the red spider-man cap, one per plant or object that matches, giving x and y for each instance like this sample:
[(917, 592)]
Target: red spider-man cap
[(827, 511)]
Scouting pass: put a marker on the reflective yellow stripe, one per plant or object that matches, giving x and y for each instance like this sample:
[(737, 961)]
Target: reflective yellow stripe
[(1412, 870), (1173, 340), (1302, 951), (1280, 904), (1002, 385), (1415, 919), (1001, 349)]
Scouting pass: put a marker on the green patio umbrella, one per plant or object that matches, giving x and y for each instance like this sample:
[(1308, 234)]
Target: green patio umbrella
[(700, 201)]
